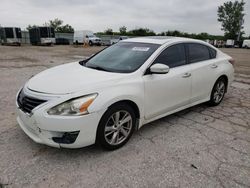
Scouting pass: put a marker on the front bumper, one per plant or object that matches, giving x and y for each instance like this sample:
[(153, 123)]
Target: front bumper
[(43, 128)]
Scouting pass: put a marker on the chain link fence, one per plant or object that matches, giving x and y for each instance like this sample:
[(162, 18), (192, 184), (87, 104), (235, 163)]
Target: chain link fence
[(106, 39)]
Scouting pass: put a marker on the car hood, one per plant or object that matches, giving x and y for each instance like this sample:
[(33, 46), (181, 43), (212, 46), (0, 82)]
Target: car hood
[(71, 78)]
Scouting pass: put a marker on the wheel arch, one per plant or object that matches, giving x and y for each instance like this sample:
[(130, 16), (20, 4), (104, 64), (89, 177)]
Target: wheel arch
[(134, 105), (131, 104)]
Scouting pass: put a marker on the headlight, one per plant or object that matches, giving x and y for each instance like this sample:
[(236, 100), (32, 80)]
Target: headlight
[(73, 107)]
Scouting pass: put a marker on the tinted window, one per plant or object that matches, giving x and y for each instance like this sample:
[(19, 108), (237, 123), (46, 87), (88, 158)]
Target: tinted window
[(213, 53), (198, 52), (9, 32), (173, 56)]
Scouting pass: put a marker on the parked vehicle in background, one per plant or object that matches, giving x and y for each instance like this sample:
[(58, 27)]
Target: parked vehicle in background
[(10, 36), (207, 41), (219, 43), (42, 36), (246, 44), (62, 41), (229, 43), (105, 98), (114, 41), (86, 36)]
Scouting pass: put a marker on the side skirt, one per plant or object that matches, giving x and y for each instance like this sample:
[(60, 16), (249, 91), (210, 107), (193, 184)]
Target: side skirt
[(172, 112)]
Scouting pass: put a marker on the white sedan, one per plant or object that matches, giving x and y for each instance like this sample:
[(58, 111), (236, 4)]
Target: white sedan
[(105, 98)]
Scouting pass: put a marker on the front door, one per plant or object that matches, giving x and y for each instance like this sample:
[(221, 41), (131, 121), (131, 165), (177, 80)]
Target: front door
[(167, 92)]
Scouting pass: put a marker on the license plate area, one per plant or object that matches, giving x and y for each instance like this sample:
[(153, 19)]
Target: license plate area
[(28, 122)]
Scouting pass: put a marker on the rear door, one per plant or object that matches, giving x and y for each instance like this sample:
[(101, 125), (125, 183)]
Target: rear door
[(203, 62), (167, 92)]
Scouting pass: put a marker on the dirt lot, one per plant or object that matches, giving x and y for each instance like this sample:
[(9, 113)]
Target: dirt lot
[(198, 147), (242, 57)]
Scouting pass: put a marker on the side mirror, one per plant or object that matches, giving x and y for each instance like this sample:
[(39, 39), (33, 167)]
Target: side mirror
[(159, 68)]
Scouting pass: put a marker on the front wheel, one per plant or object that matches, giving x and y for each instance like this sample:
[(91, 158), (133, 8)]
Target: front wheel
[(116, 127), (218, 92)]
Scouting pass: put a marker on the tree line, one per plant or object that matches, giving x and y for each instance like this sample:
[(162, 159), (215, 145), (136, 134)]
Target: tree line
[(57, 24), (230, 15), (149, 32)]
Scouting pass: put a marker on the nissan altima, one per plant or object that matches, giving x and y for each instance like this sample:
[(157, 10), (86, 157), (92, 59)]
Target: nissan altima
[(108, 96)]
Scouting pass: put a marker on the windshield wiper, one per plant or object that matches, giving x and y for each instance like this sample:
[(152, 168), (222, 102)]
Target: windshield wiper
[(98, 68)]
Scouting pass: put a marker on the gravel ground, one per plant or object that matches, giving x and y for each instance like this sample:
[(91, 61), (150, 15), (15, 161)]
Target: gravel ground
[(198, 147)]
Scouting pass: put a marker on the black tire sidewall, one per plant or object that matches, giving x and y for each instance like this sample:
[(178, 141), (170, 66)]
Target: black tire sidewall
[(212, 101), (100, 138)]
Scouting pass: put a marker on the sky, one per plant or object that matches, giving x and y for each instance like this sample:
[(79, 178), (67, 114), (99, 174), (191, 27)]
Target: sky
[(193, 16)]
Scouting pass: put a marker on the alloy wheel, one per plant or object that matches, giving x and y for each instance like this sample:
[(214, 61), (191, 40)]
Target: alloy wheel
[(118, 127), (219, 91)]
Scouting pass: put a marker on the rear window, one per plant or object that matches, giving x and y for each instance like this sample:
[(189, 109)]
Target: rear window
[(198, 52)]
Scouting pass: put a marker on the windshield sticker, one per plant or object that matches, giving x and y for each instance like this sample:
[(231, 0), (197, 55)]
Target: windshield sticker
[(140, 49)]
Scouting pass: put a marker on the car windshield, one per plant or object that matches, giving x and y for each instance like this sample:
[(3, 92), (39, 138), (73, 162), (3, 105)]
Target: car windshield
[(123, 57)]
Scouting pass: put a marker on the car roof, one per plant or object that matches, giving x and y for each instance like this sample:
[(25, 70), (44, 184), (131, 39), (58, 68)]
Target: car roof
[(161, 40)]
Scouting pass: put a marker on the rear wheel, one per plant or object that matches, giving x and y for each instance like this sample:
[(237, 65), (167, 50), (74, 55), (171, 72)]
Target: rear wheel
[(90, 43), (218, 92), (116, 126)]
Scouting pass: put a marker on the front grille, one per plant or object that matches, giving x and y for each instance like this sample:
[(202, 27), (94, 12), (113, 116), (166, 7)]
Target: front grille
[(27, 103)]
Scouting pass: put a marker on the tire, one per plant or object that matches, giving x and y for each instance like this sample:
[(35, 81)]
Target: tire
[(218, 92), (110, 134), (90, 43)]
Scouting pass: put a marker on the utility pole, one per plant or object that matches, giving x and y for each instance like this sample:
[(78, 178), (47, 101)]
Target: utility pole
[(239, 32)]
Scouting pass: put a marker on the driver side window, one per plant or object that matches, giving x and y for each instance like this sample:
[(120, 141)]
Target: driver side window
[(173, 56)]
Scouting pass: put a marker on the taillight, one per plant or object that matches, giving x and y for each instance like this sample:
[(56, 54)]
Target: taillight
[(232, 61)]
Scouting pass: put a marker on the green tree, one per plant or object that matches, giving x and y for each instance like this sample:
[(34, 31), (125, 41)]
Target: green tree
[(65, 29), (142, 32), (57, 24), (108, 31), (203, 36), (231, 15), (123, 30), (31, 26)]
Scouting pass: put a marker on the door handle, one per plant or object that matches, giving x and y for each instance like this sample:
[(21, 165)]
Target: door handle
[(186, 75), (214, 66)]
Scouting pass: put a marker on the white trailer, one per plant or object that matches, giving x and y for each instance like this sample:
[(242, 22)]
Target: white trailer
[(10, 35), (230, 43), (246, 44)]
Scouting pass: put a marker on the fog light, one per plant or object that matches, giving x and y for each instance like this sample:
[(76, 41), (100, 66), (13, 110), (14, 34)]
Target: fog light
[(67, 138)]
